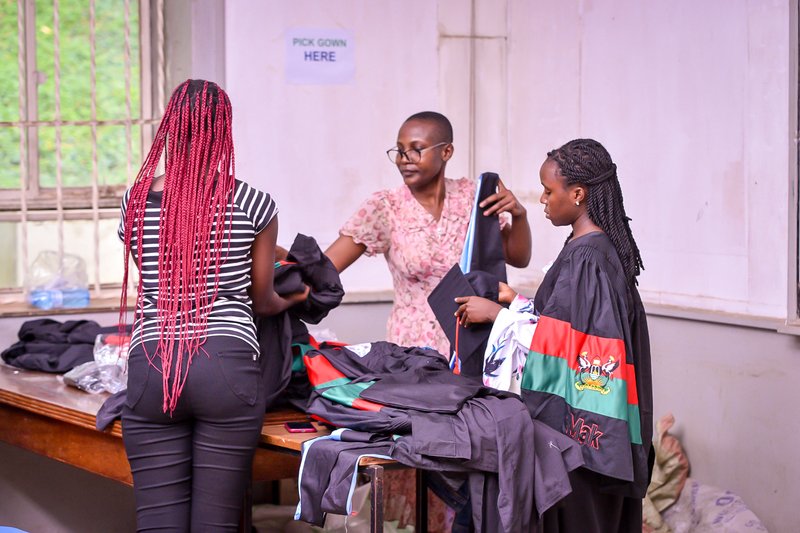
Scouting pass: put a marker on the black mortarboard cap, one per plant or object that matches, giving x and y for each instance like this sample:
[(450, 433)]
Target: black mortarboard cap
[(471, 340)]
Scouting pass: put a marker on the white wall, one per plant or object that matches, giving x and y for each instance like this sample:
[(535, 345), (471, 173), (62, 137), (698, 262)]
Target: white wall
[(319, 149), (40, 494), (695, 110), (732, 394)]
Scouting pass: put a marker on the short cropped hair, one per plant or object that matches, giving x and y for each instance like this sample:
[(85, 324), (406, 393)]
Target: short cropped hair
[(442, 123)]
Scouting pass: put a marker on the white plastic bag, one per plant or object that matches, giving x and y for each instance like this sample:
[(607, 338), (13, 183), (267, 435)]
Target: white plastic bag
[(95, 378), (54, 283), (112, 349)]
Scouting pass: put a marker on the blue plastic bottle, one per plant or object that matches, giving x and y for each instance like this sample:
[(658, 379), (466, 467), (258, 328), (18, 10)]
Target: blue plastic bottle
[(45, 298), (56, 298), (75, 298)]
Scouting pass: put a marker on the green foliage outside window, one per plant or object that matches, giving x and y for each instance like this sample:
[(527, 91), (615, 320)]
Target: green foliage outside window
[(76, 141)]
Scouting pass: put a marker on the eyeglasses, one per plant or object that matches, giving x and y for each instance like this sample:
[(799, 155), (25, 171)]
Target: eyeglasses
[(412, 155)]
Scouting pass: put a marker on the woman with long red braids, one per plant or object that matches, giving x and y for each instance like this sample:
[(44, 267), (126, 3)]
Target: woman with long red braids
[(204, 245)]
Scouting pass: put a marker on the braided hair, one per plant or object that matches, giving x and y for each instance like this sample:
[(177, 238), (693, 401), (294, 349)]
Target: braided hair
[(586, 162), (195, 138)]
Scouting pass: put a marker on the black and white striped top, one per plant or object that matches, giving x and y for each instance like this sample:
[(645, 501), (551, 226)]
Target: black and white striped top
[(232, 313)]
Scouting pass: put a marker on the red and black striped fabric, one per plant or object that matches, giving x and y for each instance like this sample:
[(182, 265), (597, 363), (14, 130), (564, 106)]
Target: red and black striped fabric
[(371, 386)]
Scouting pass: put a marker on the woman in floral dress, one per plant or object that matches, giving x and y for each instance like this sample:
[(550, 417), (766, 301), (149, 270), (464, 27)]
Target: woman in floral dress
[(420, 228)]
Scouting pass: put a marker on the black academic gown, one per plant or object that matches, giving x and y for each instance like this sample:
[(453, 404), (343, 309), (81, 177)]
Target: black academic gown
[(588, 375)]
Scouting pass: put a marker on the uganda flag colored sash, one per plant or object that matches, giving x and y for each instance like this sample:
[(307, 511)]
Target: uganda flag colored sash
[(333, 385), (584, 385)]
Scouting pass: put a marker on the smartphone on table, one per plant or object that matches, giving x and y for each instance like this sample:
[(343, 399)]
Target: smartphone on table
[(300, 427)]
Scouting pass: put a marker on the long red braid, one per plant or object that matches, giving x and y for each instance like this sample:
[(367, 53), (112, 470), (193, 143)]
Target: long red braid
[(195, 138)]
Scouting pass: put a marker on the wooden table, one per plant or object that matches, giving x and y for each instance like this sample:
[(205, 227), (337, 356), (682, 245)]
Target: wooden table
[(39, 413)]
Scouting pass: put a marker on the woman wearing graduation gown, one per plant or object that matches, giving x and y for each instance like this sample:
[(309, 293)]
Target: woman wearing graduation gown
[(587, 369)]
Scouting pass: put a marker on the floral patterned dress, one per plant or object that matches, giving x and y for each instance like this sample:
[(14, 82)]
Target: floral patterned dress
[(419, 251)]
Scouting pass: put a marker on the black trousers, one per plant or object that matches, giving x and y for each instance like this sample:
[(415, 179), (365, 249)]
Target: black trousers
[(191, 468)]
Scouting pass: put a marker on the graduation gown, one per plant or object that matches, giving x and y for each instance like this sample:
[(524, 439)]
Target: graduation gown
[(588, 375)]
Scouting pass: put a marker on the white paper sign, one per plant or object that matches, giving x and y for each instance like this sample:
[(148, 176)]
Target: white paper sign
[(319, 56)]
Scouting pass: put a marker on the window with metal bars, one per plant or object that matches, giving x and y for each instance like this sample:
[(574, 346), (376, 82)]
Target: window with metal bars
[(81, 85)]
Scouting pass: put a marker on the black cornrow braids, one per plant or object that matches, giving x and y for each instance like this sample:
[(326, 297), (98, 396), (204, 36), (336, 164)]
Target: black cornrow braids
[(588, 163)]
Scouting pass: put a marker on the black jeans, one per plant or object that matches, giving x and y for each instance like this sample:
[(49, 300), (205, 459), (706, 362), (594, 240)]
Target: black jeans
[(191, 468)]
